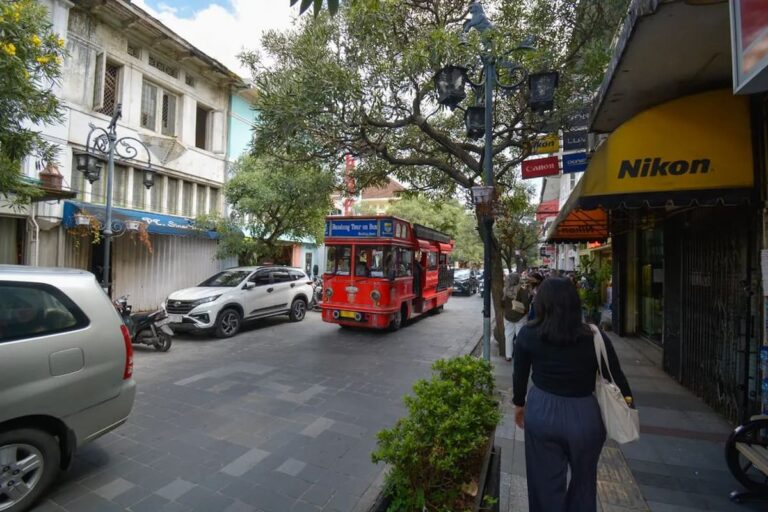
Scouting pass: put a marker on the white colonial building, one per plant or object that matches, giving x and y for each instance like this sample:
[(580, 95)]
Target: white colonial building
[(176, 100)]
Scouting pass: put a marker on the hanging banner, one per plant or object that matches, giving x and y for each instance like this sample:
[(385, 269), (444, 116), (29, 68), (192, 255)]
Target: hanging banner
[(541, 167), (574, 162), (749, 43), (575, 140), (546, 144)]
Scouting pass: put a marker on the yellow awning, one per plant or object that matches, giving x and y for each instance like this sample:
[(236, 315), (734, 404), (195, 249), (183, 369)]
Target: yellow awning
[(692, 150)]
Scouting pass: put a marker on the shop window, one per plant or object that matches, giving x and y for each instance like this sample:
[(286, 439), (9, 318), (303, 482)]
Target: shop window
[(120, 186), (214, 201), (138, 189), (99, 188), (173, 196), (201, 206), (187, 199), (157, 191)]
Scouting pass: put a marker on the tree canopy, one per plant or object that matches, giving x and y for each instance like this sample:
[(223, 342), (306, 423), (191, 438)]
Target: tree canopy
[(30, 62), (516, 230), (361, 83), (270, 200)]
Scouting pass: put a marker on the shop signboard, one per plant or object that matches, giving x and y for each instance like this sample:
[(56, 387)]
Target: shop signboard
[(575, 162), (540, 167), (546, 144), (575, 140), (749, 33)]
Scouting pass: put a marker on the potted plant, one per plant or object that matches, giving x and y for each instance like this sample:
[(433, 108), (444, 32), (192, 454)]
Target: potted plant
[(593, 277), (86, 226), (50, 177), (441, 454), (82, 219), (132, 225)]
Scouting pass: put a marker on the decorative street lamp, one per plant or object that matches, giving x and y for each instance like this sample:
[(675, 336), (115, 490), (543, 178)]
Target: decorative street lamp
[(450, 83), (105, 144)]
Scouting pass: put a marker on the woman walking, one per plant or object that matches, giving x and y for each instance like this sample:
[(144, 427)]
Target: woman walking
[(516, 302), (563, 426)]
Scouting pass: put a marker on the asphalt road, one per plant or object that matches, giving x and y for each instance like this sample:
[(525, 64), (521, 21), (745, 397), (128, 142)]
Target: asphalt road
[(283, 417)]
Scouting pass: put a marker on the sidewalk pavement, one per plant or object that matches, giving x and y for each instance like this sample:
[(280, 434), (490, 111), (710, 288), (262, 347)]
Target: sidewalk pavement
[(678, 465)]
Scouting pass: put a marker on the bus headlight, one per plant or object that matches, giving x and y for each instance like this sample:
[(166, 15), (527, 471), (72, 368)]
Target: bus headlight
[(328, 292), (376, 295)]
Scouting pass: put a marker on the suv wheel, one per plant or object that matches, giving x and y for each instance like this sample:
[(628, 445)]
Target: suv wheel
[(228, 323), (29, 462), (298, 310)]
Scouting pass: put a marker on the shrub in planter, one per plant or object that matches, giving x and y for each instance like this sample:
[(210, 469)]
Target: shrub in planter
[(435, 452)]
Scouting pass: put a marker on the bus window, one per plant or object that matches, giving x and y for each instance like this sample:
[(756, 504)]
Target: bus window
[(404, 262), (373, 260), (432, 261), (338, 260)]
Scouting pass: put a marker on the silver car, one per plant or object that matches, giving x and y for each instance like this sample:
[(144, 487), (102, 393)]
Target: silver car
[(66, 375)]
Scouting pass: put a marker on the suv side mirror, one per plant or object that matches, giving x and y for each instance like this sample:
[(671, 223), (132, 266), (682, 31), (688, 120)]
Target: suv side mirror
[(249, 285)]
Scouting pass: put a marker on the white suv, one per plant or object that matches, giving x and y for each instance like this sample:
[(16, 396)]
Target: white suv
[(222, 302)]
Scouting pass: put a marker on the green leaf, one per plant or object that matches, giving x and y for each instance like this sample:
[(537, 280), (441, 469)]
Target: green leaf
[(333, 7), (318, 7), (305, 5)]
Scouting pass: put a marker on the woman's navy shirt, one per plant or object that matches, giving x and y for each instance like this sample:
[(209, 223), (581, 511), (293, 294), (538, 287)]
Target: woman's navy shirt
[(560, 370)]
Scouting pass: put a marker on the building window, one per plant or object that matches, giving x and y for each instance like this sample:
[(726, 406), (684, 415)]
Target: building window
[(99, 188), (158, 104), (165, 68), (201, 127), (148, 105), (119, 190), (134, 51), (173, 196), (189, 80), (138, 189), (200, 199), (214, 201), (187, 199), (106, 91), (157, 192)]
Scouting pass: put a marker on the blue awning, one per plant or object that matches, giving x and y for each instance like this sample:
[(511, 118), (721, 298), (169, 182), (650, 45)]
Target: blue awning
[(156, 223)]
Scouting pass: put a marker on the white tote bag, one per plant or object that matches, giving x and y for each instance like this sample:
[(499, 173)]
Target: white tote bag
[(622, 423)]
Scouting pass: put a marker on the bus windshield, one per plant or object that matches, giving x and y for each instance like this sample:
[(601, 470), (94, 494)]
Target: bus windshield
[(373, 260), (338, 260)]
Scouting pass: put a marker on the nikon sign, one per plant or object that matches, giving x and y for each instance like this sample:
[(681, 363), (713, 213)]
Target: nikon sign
[(649, 167), (699, 142)]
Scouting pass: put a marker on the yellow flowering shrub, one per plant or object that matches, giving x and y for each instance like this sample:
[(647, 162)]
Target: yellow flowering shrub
[(31, 55)]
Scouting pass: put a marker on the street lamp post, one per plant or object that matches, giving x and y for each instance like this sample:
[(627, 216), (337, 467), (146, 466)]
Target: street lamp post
[(449, 85), (106, 144)]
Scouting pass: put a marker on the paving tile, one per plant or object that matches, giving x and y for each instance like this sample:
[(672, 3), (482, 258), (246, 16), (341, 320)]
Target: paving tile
[(91, 502), (175, 489), (245, 462), (114, 488), (205, 500), (151, 503), (317, 427), (318, 494), (291, 467)]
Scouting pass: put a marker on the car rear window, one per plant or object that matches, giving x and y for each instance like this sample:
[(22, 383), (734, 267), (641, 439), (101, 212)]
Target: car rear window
[(28, 310)]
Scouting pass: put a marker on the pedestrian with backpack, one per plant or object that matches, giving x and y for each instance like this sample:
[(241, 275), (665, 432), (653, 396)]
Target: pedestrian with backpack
[(515, 302)]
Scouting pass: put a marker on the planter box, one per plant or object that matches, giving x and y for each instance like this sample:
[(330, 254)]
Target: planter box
[(82, 220), (489, 483), (132, 225)]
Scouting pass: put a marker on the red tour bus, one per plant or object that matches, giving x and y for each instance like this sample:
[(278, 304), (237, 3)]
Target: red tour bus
[(381, 271)]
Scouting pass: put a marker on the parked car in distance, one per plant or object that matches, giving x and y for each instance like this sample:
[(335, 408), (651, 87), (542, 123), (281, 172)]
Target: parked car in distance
[(223, 301), (465, 281), (66, 375)]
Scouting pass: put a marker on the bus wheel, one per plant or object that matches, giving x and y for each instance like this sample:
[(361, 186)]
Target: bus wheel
[(396, 322)]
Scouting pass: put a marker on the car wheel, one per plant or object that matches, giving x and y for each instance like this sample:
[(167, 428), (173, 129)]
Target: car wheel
[(298, 310), (164, 342), (29, 462), (228, 323)]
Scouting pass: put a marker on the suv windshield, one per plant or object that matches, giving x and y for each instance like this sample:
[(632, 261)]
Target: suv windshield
[(226, 278)]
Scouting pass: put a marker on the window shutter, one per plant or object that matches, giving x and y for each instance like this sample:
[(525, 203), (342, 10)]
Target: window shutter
[(98, 85)]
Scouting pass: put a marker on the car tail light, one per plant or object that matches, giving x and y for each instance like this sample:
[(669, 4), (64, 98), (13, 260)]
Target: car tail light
[(128, 371)]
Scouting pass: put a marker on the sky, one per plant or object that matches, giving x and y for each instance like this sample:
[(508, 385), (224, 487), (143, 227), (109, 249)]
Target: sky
[(222, 28)]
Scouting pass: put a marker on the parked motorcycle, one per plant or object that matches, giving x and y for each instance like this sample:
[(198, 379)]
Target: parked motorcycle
[(317, 293), (146, 328)]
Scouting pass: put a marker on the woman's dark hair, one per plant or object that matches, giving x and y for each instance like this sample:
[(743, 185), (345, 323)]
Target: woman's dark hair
[(558, 312)]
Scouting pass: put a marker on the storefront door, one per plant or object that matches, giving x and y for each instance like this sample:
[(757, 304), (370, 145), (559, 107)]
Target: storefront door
[(651, 283)]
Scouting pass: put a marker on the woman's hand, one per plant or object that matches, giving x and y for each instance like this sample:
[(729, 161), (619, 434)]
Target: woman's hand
[(520, 416)]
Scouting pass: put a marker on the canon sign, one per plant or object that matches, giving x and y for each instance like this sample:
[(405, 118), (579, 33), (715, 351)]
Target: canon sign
[(649, 167)]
